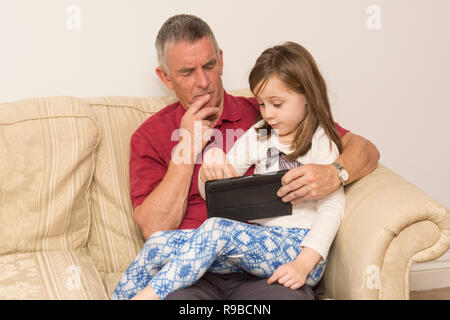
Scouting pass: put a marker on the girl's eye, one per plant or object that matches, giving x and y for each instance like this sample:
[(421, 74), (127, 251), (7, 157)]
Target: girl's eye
[(277, 105), (261, 105)]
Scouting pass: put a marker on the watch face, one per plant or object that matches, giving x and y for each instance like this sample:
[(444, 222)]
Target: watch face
[(344, 174)]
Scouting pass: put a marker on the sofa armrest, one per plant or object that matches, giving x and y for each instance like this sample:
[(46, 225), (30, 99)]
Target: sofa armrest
[(388, 224)]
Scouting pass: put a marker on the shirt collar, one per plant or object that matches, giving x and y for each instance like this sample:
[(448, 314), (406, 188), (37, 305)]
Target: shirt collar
[(231, 111)]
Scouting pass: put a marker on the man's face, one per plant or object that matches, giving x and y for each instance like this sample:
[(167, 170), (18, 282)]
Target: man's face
[(194, 70)]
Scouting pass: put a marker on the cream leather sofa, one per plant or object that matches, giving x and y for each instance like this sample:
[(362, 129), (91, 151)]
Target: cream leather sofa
[(66, 227)]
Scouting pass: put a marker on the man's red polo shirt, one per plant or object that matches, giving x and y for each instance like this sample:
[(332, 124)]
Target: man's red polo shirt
[(152, 145)]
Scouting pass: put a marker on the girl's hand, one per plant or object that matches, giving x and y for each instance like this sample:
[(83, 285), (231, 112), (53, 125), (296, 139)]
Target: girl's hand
[(216, 166), (292, 275)]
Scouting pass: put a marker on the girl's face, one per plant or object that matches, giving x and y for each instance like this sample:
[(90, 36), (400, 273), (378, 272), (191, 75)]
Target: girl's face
[(281, 108)]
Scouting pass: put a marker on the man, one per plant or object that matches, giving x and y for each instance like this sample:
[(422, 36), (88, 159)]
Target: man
[(164, 193)]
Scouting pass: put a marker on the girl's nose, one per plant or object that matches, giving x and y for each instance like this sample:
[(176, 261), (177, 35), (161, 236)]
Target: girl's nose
[(269, 113)]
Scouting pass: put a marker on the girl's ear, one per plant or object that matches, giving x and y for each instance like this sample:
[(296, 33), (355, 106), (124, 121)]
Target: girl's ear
[(164, 77)]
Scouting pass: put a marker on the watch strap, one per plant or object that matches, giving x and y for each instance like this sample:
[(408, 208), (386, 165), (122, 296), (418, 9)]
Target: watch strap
[(339, 167)]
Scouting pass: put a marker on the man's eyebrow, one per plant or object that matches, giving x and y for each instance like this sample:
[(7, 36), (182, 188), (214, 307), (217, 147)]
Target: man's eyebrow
[(185, 70), (213, 61), (210, 62)]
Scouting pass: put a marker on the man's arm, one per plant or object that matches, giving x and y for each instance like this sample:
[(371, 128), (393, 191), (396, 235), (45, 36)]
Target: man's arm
[(314, 181), (164, 207), (359, 157)]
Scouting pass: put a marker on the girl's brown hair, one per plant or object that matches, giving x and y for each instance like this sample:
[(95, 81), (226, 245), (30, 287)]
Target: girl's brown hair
[(296, 68)]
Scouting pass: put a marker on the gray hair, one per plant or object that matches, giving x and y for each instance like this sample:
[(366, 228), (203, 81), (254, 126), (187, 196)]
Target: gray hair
[(178, 28)]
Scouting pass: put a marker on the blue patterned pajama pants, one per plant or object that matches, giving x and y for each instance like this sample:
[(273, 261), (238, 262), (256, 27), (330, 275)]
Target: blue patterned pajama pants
[(175, 259)]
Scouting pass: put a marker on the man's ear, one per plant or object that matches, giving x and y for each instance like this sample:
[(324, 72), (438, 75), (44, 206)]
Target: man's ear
[(164, 77), (221, 61)]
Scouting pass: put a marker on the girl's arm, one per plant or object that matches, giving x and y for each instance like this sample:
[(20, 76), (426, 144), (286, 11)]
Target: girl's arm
[(329, 213), (217, 165), (329, 209)]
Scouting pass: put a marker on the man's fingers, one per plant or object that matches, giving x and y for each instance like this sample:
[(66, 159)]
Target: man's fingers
[(206, 112), (199, 103), (293, 185), (296, 194), (292, 175), (206, 123)]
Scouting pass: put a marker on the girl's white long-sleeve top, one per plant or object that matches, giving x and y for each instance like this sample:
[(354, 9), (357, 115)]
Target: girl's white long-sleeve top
[(321, 216)]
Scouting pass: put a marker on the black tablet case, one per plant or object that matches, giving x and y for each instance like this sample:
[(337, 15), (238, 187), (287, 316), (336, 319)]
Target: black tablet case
[(246, 198)]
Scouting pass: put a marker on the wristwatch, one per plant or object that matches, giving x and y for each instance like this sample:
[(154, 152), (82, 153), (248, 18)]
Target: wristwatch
[(342, 173)]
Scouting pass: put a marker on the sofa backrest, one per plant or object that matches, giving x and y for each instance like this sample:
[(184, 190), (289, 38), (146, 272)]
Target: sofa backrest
[(115, 239), (47, 161)]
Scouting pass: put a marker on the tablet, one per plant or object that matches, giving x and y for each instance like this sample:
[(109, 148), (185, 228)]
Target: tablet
[(246, 198)]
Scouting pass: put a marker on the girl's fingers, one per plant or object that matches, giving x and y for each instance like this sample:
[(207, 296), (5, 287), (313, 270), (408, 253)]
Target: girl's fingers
[(289, 283), (233, 171), (296, 285), (209, 173), (282, 280), (273, 278), (229, 171), (276, 275), (218, 172)]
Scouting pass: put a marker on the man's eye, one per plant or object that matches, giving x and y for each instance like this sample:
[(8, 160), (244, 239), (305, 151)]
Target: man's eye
[(209, 67)]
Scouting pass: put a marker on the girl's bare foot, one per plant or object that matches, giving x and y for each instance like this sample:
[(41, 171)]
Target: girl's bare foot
[(147, 294)]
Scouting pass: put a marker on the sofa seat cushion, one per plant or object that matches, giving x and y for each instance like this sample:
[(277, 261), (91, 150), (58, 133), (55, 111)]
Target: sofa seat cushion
[(67, 275), (47, 160), (110, 282)]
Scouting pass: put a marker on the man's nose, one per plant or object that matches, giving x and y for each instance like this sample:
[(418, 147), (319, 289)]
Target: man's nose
[(202, 80)]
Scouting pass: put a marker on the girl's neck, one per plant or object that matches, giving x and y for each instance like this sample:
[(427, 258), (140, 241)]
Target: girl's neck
[(286, 140)]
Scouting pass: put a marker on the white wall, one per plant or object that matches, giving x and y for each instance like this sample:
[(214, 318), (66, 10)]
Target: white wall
[(390, 85)]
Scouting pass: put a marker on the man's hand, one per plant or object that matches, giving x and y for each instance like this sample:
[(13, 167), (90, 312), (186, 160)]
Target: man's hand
[(196, 112), (216, 166), (308, 182)]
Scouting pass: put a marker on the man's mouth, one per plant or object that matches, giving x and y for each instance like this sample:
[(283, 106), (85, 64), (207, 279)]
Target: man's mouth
[(202, 95)]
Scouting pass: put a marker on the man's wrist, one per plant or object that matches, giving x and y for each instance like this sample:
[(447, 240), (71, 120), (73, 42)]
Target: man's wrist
[(184, 153), (335, 181), (341, 173)]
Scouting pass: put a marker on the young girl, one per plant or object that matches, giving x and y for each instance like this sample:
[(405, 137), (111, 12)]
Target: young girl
[(296, 128)]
